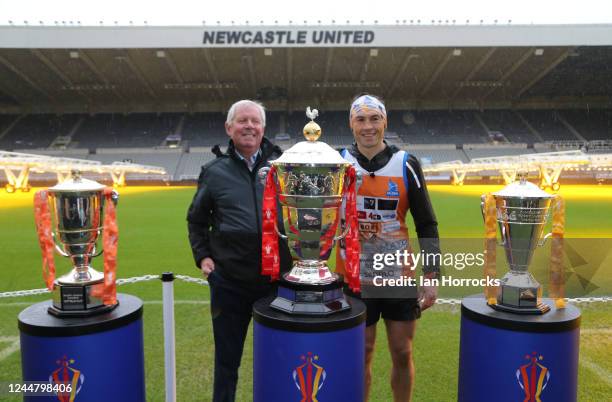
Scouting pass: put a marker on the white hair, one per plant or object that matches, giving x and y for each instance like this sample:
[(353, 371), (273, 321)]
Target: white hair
[(231, 113)]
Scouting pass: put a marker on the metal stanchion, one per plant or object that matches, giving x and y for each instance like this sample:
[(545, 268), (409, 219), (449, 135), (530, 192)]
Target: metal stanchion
[(169, 344)]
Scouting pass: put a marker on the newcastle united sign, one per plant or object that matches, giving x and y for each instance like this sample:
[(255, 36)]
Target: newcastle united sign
[(225, 38)]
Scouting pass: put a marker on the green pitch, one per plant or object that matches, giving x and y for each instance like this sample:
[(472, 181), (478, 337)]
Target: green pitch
[(153, 239)]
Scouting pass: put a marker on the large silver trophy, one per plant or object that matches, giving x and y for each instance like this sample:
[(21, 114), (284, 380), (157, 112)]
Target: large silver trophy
[(311, 182), (77, 207), (522, 210)]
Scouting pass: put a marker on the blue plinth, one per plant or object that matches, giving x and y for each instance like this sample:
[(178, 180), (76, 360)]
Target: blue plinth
[(301, 358), (102, 357), (511, 357)]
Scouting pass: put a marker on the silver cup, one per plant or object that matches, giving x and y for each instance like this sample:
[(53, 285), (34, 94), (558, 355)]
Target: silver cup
[(311, 183), (78, 215), (311, 198), (522, 211)]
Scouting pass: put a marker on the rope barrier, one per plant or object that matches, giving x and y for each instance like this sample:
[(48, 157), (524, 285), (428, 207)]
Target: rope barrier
[(202, 282)]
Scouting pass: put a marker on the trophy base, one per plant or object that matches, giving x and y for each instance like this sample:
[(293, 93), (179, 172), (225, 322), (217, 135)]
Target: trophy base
[(78, 300), (539, 309), (81, 313), (306, 299), (310, 272)]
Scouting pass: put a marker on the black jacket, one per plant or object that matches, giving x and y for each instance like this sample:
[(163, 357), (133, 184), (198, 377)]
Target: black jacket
[(224, 219)]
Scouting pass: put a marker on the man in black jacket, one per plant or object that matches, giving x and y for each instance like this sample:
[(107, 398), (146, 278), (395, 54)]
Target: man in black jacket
[(224, 222)]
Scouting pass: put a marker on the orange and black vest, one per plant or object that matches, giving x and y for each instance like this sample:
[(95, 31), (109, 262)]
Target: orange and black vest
[(382, 204)]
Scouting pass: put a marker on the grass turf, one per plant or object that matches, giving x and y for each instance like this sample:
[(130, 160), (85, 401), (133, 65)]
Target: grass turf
[(153, 239)]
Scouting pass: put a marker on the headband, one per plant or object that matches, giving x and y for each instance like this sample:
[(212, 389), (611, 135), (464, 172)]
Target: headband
[(367, 102)]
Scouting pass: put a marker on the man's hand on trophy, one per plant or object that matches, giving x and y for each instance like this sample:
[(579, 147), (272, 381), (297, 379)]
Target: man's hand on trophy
[(207, 265)]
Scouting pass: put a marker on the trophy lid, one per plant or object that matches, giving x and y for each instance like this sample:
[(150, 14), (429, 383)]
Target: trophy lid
[(76, 183), (311, 152), (522, 189)]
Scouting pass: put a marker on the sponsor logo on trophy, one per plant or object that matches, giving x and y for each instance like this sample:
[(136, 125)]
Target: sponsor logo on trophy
[(313, 184), (309, 377), (82, 212), (533, 377)]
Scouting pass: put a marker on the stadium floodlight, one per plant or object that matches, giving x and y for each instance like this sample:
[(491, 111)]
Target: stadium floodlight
[(18, 166), (117, 171), (548, 165)]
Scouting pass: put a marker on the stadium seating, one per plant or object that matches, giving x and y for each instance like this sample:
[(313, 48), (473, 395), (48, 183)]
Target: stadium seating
[(432, 136), (37, 131), (438, 127), (496, 151), (548, 125), (437, 154), (593, 124), (5, 122), (168, 159), (204, 129), (191, 163), (120, 131), (508, 124)]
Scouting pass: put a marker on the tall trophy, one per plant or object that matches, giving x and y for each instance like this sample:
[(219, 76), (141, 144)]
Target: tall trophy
[(312, 182), (76, 342), (82, 211), (521, 210), (540, 335)]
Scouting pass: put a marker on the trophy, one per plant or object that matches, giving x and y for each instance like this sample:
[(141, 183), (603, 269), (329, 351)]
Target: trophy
[(521, 210), (81, 210), (310, 180)]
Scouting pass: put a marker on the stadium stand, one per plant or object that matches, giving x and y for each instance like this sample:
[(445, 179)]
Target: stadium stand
[(166, 158), (274, 123), (432, 136), (548, 125), (495, 151), (508, 124), (119, 131), (204, 129), (585, 71), (436, 154), (592, 124), (191, 163), (6, 120), (440, 127), (335, 127), (37, 131)]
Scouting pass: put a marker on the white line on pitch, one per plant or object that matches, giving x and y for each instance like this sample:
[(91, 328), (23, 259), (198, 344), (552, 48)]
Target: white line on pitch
[(596, 369), (595, 331), (12, 348)]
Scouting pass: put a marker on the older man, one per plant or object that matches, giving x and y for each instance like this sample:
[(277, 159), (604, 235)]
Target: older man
[(391, 184), (224, 222)]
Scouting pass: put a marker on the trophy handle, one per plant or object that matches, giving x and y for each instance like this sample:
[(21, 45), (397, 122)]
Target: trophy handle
[(114, 197), (344, 233), (482, 206), (59, 249), (544, 239), (282, 236), (502, 242), (96, 254)]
